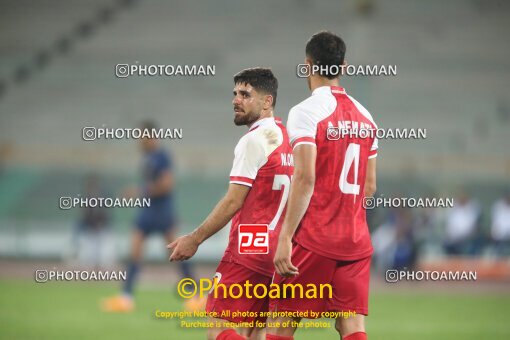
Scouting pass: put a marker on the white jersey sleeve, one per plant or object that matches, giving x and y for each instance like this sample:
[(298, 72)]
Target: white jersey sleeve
[(249, 157), (301, 127)]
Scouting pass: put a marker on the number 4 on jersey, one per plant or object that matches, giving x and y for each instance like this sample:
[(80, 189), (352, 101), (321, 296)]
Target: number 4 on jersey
[(351, 156)]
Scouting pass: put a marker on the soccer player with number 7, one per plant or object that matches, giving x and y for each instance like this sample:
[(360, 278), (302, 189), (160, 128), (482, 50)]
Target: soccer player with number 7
[(255, 201), (324, 238)]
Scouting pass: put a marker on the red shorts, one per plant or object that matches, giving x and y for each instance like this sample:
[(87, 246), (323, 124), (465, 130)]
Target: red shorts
[(349, 281), (229, 273)]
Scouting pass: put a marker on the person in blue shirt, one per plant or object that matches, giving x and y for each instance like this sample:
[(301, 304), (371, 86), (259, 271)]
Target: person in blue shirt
[(160, 217)]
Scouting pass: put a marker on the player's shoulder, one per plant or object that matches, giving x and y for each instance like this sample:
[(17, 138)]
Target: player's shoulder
[(320, 103), (309, 104), (362, 110), (264, 137), (267, 134)]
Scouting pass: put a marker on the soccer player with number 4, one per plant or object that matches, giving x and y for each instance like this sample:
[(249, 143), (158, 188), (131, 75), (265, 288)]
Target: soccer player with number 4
[(255, 201), (333, 173)]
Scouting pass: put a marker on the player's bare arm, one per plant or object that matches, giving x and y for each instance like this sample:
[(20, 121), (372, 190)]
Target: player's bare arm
[(301, 191), (162, 185), (370, 181), (186, 246)]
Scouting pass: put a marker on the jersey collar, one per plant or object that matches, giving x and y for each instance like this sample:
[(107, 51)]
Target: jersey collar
[(260, 122), (328, 90)]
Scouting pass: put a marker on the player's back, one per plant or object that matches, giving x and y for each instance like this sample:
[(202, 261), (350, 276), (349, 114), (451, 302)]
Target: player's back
[(334, 224), (263, 161)]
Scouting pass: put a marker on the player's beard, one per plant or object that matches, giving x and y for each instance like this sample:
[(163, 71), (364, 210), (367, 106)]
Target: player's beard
[(246, 119)]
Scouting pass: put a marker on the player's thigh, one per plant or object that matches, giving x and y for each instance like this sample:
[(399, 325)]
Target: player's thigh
[(213, 332), (275, 326), (170, 235), (237, 308), (168, 228), (313, 269), (156, 221), (137, 239), (220, 325), (350, 288)]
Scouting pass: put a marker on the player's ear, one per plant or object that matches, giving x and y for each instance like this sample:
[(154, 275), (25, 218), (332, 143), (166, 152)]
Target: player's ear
[(268, 102), (344, 64), (308, 61)]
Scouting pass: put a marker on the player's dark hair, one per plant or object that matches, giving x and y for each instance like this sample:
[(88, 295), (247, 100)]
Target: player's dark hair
[(326, 48), (148, 125), (261, 79)]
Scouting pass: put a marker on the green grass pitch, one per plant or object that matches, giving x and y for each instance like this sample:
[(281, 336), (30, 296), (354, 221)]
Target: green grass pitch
[(70, 310)]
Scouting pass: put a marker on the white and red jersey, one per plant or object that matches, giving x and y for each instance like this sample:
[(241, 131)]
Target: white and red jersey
[(334, 224), (263, 161)]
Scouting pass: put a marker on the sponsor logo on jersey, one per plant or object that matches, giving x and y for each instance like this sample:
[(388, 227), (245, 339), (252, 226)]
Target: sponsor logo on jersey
[(253, 239)]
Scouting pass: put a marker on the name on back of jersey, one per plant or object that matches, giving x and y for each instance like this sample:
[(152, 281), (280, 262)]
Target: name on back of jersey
[(287, 159), (351, 125)]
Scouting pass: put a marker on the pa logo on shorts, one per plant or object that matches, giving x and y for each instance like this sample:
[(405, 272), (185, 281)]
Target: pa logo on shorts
[(253, 239)]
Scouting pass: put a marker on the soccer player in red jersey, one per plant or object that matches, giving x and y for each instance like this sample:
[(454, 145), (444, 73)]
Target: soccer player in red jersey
[(324, 237), (257, 194)]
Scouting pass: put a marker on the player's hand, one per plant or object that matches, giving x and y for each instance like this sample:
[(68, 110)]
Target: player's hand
[(282, 263), (183, 248)]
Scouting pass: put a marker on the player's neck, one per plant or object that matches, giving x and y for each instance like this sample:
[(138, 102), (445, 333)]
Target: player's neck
[(263, 115), (316, 82)]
